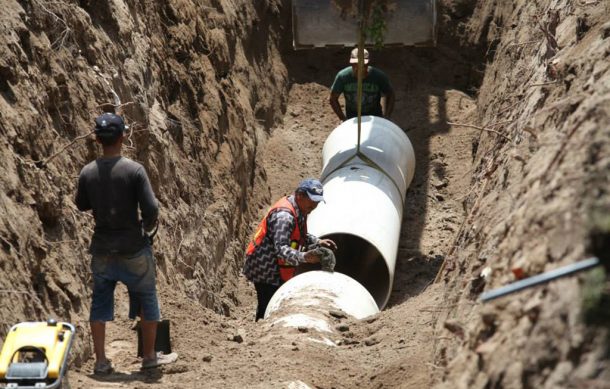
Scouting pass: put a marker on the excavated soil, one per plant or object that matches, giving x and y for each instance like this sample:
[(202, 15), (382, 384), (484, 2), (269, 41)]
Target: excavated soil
[(509, 117), (376, 351)]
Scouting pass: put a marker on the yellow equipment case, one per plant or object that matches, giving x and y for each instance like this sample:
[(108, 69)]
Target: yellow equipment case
[(35, 355)]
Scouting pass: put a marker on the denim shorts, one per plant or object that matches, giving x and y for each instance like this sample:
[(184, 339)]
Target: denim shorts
[(137, 272)]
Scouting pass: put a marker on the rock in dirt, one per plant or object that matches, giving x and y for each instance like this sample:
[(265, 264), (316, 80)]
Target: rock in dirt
[(455, 328), (371, 341), (238, 337), (338, 314), (342, 327)]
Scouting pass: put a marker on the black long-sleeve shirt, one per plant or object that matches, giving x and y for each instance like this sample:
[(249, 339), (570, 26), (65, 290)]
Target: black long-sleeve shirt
[(114, 189)]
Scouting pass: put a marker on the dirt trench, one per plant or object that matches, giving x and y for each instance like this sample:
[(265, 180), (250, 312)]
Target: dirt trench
[(377, 351), (518, 180)]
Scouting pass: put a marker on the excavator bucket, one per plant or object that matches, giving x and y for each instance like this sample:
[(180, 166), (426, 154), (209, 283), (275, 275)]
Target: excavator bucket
[(328, 23)]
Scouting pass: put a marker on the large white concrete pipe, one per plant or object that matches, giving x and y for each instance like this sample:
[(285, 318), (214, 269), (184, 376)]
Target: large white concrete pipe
[(365, 195), (308, 300), (364, 191)]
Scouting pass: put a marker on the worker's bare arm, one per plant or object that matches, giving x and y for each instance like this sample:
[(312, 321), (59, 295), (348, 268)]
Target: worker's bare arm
[(389, 104), (334, 103), (312, 257), (329, 244)]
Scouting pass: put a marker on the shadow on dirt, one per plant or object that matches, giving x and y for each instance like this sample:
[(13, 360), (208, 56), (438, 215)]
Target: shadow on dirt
[(117, 377)]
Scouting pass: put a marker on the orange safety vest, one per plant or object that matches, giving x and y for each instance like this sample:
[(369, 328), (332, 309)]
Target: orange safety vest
[(297, 239)]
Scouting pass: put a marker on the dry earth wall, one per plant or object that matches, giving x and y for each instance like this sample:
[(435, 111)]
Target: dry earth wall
[(199, 83), (540, 186)]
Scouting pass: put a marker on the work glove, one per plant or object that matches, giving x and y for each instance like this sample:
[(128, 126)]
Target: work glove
[(150, 235), (327, 258)]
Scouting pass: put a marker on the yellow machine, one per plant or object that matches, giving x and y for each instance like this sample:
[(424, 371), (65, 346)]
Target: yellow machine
[(35, 354), (334, 23)]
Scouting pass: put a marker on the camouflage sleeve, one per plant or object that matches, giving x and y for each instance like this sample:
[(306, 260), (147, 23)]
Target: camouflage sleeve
[(312, 241), (280, 225)]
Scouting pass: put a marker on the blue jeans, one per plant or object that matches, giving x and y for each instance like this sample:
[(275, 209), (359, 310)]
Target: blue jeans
[(137, 272)]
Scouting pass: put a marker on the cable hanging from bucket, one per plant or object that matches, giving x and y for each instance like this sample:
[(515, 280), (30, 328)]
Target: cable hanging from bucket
[(360, 67)]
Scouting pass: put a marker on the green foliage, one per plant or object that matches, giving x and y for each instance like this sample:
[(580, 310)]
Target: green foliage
[(375, 27), (596, 287), (599, 234), (596, 297)]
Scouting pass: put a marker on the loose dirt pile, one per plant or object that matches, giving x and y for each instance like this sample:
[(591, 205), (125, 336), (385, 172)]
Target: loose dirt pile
[(509, 117)]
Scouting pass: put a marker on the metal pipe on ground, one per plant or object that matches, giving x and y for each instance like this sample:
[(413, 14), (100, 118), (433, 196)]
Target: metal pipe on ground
[(364, 192), (539, 279)]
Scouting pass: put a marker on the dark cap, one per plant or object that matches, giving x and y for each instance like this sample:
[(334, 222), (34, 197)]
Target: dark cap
[(313, 188), (109, 125)]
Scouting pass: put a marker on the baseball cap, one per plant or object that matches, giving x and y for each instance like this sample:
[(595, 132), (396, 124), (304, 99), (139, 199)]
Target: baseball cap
[(313, 188), (109, 125), (353, 58)]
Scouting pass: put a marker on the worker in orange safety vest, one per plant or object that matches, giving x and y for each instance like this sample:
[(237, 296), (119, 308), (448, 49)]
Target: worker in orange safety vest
[(281, 242)]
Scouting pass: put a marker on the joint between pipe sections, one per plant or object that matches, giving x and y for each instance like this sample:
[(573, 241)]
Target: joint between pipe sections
[(369, 162), (362, 213)]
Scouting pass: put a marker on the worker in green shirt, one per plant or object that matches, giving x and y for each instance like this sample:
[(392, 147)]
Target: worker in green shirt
[(375, 84)]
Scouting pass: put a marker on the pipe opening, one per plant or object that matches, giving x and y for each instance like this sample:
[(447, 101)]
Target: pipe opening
[(360, 260)]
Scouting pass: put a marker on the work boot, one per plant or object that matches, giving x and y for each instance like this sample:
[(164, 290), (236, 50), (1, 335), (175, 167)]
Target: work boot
[(103, 368), (160, 359)]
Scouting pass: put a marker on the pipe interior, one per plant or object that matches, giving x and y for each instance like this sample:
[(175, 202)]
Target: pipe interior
[(360, 260)]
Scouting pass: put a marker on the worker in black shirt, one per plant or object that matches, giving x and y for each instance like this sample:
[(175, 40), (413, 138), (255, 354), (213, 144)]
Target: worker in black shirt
[(114, 187)]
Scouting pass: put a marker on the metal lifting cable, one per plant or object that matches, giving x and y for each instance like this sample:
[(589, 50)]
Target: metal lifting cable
[(367, 161), (360, 68), (359, 76)]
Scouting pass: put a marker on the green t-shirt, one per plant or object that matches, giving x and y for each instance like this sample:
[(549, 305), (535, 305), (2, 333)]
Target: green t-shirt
[(374, 85)]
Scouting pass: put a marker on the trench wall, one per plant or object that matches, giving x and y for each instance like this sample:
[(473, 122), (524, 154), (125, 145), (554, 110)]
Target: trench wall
[(539, 199), (200, 83)]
